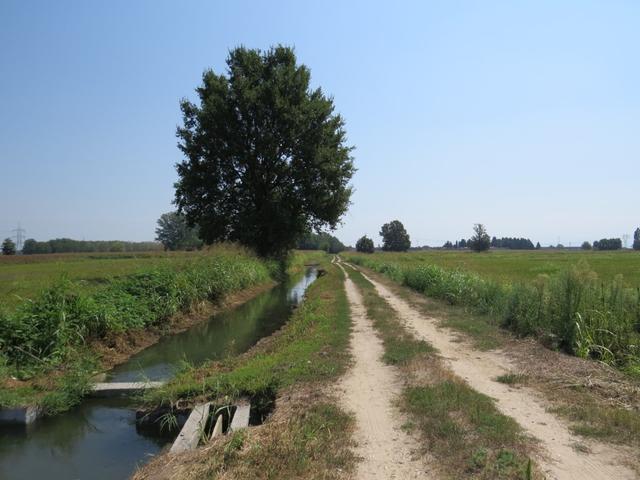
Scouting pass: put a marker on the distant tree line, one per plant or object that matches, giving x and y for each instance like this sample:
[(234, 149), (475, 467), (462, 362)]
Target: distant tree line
[(68, 245), (512, 243), (608, 244), (504, 242), (321, 241), (636, 239)]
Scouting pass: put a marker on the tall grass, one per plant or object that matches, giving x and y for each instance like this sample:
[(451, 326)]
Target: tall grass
[(52, 328), (572, 309)]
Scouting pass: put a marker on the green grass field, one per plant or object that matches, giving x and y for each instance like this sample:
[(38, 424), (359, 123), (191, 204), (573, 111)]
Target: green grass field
[(514, 265), (24, 276), (574, 299)]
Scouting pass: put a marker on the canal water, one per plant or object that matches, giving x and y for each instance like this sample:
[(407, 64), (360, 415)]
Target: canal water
[(98, 439)]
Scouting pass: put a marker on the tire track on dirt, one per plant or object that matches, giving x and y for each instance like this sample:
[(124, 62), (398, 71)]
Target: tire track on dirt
[(369, 390), (562, 461)]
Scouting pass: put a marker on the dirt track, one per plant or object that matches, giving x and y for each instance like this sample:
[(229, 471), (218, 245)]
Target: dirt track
[(368, 390), (561, 460)]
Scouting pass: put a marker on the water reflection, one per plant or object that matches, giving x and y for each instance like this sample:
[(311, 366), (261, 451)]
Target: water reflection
[(228, 333), (98, 440)]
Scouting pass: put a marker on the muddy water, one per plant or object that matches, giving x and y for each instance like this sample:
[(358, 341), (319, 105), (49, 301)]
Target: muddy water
[(98, 440)]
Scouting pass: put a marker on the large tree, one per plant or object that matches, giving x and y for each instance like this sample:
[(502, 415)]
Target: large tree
[(636, 239), (266, 155), (174, 233), (480, 242), (8, 247), (365, 245), (394, 237)]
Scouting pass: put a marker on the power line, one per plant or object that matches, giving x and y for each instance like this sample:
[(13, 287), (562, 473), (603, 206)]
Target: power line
[(19, 236)]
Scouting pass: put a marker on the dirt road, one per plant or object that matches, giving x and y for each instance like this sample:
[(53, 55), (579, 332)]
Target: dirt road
[(368, 390), (561, 460)]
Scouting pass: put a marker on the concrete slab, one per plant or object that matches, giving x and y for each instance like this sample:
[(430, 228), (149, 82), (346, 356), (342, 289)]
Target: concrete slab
[(240, 418), (189, 436), (114, 389), (19, 415), (217, 429)]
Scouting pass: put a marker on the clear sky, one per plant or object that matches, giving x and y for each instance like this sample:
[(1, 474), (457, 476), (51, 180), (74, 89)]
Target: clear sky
[(524, 116)]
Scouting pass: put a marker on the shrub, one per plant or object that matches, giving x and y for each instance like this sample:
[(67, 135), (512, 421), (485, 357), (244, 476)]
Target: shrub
[(364, 245)]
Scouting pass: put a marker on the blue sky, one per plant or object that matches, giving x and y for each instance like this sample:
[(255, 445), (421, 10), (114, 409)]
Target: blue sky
[(524, 116)]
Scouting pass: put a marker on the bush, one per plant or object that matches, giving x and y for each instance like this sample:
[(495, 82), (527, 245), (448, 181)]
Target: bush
[(365, 245)]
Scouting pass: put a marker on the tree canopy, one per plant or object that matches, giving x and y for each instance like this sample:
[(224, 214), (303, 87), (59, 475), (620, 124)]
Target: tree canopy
[(266, 155), (512, 243), (321, 241), (365, 245), (636, 239), (174, 233), (8, 247), (394, 237), (608, 244), (480, 242)]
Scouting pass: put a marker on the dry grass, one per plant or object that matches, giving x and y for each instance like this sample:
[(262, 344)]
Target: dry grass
[(306, 437)]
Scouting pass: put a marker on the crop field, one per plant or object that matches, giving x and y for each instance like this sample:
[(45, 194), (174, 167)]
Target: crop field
[(585, 303), (509, 265), (25, 276)]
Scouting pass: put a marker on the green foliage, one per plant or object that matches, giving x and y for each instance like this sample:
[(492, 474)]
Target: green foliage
[(445, 411), (321, 241), (512, 243), (365, 245), (480, 242), (586, 246), (68, 245), (512, 378), (174, 233), (8, 247), (266, 156), (394, 237), (636, 239), (608, 244), (312, 346), (46, 332), (573, 309)]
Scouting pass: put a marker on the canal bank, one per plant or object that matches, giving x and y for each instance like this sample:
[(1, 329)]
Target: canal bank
[(99, 438)]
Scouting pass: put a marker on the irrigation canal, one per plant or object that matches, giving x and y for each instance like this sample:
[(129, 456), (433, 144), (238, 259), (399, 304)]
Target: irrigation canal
[(98, 439)]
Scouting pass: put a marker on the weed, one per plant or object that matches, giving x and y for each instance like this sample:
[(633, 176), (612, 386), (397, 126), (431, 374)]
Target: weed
[(583, 315), (512, 378)]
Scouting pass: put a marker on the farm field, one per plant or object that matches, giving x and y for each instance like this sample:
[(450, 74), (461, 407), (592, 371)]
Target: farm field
[(580, 302), (26, 275), (510, 265)]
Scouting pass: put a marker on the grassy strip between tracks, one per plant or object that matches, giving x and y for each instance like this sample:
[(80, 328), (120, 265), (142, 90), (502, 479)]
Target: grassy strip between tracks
[(461, 428)]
